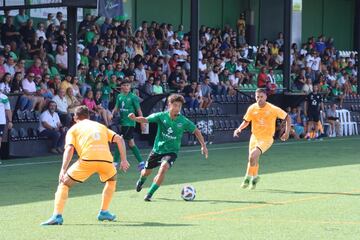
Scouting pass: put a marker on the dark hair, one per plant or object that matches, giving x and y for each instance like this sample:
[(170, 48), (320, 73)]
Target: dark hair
[(82, 112), (176, 98), (260, 90)]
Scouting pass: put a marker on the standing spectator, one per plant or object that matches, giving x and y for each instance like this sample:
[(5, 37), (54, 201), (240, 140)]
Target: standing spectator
[(140, 74), (191, 95), (58, 19), (27, 31), (62, 107), (5, 113), (313, 105), (21, 19), (9, 32), (307, 87), (50, 126)]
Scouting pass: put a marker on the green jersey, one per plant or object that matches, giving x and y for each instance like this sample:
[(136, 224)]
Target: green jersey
[(170, 131), (127, 104)]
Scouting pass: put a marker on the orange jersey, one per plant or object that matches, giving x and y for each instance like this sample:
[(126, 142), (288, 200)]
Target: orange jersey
[(91, 140), (263, 119)]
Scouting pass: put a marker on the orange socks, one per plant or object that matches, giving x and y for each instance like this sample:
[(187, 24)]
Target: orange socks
[(61, 196), (107, 194), (252, 171)]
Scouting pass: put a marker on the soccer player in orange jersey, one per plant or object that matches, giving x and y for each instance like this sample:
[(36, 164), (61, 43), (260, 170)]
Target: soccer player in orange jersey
[(262, 116), (91, 142)]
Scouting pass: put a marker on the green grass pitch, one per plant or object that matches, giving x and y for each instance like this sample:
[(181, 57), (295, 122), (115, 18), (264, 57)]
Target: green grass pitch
[(308, 190)]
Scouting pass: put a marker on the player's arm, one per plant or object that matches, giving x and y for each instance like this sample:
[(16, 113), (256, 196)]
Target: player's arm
[(140, 114), (200, 138), (139, 119), (9, 118), (285, 136), (242, 126), (68, 154), (124, 164)]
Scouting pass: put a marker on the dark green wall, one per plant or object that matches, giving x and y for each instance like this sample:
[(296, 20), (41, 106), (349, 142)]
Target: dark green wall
[(215, 13), (333, 18)]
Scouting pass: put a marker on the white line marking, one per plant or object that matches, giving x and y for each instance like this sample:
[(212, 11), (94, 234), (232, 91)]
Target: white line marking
[(239, 145)]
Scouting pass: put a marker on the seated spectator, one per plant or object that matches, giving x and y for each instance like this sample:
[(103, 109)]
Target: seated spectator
[(62, 107), (66, 83), (36, 68), (71, 100), (104, 113), (10, 66), (50, 126), (308, 86), (157, 88), (298, 130), (191, 94), (205, 93), (262, 78), (61, 59), (5, 84), (106, 92), (29, 88), (148, 87), (95, 112), (333, 120)]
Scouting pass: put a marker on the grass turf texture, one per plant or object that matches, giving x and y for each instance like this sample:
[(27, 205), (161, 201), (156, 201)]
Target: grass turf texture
[(307, 190)]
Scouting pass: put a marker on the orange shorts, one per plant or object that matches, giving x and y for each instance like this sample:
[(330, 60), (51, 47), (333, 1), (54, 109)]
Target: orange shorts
[(262, 144), (82, 170)]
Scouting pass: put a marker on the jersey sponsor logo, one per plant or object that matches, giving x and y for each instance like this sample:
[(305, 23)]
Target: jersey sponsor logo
[(96, 136), (168, 134)]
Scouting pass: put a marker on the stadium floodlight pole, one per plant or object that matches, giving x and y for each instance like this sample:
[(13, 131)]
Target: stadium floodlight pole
[(194, 54), (72, 39), (287, 44)]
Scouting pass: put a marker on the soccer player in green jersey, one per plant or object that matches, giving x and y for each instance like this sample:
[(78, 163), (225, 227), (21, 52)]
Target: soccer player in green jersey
[(171, 127), (126, 103)]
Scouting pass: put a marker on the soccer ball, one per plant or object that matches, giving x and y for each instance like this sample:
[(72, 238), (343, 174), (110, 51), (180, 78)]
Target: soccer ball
[(188, 193)]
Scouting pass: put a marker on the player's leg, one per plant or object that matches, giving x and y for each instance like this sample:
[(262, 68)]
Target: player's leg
[(153, 161), (158, 179), (167, 161), (254, 165), (135, 150), (61, 196), (249, 170), (107, 195)]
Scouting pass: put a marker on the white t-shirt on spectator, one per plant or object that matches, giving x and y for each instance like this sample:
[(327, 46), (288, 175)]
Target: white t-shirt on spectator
[(52, 120), (330, 77), (316, 64), (234, 81), (62, 59), (200, 55), (4, 105), (309, 61), (5, 88), (341, 80), (182, 55), (9, 69), (172, 41), (239, 67), (62, 104), (202, 67), (140, 76), (214, 78), (28, 86), (39, 34)]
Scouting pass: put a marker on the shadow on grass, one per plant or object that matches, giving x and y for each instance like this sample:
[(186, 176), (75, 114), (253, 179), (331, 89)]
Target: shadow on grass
[(35, 183), (277, 191), (132, 224), (214, 201)]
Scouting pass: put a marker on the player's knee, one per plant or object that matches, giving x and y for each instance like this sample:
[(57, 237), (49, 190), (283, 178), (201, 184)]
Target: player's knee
[(164, 168)]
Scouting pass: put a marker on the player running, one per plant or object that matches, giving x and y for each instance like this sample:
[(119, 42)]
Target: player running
[(262, 116), (171, 127), (90, 140), (126, 103)]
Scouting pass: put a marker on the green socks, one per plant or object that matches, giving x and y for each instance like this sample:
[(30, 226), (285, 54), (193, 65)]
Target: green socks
[(136, 152), (153, 188), (142, 179)]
